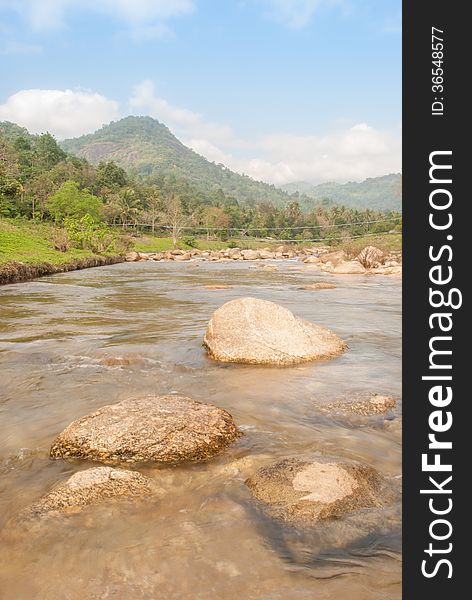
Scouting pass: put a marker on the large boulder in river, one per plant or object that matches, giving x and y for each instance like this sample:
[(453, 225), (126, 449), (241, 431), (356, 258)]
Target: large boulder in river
[(249, 330), (164, 429), (305, 492), (91, 486)]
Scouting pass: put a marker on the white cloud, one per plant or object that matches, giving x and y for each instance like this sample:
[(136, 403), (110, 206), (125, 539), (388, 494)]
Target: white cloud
[(348, 153), (351, 154), (49, 14), (185, 123), (144, 99), (297, 13), (64, 113)]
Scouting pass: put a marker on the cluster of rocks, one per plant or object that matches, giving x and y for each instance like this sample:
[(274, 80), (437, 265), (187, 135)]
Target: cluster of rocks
[(370, 260), (175, 429), (155, 429)]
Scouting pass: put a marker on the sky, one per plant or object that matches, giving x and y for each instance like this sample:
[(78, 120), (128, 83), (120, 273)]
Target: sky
[(282, 90)]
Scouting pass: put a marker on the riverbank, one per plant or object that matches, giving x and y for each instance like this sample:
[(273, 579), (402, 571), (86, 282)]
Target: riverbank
[(15, 272), (28, 250)]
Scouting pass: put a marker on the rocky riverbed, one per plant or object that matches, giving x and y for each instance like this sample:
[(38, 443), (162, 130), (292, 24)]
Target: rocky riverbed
[(370, 260), (142, 464)]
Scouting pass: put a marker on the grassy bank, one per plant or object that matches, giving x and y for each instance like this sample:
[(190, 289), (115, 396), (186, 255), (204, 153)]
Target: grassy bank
[(27, 250), (31, 243)]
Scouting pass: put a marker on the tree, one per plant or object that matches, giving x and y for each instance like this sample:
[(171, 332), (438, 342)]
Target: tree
[(153, 206), (175, 217), (70, 201), (48, 152), (10, 180), (110, 175), (38, 190), (128, 205), (214, 217)]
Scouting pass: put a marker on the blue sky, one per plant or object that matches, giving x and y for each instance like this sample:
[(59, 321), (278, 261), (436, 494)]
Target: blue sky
[(283, 90)]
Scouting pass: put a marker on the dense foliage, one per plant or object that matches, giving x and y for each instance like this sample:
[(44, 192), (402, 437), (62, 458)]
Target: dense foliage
[(42, 181)]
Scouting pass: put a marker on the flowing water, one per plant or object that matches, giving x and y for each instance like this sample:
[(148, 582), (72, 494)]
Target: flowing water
[(71, 343)]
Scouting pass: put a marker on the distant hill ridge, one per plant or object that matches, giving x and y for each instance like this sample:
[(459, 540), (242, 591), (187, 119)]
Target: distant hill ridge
[(379, 193)]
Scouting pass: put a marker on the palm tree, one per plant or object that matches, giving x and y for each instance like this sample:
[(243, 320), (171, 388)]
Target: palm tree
[(128, 206)]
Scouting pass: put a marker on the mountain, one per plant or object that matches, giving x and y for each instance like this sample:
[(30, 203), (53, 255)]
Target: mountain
[(379, 193), (145, 147)]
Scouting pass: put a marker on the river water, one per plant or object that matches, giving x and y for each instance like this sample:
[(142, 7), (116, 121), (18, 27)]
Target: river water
[(73, 342)]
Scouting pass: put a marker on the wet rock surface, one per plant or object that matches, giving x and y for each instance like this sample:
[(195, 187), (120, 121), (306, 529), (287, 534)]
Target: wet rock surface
[(305, 492), (253, 331), (164, 429), (91, 486), (375, 405)]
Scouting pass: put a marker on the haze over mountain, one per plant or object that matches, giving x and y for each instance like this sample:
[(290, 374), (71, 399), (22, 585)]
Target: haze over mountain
[(146, 147), (380, 193)]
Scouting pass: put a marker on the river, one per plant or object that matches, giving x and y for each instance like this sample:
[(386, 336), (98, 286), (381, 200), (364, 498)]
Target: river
[(73, 342)]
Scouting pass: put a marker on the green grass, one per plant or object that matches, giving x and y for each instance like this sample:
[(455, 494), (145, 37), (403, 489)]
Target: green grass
[(31, 243)]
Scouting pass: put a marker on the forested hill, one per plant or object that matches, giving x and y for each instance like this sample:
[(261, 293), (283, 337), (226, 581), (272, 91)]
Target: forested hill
[(146, 148), (377, 193)]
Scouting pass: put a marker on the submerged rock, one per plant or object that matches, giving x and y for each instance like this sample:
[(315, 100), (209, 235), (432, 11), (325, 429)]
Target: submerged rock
[(253, 331), (304, 492), (90, 487), (262, 267), (375, 405), (165, 429), (319, 285), (121, 361), (217, 286)]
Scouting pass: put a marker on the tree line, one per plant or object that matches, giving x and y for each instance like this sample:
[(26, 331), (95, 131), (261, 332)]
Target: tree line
[(40, 181)]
